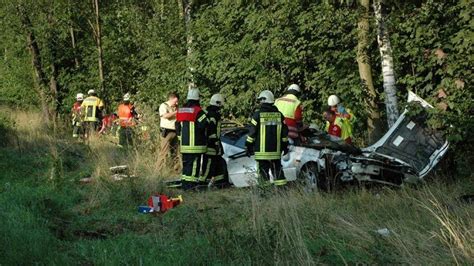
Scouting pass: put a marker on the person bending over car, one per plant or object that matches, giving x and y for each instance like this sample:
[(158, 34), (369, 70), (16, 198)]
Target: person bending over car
[(268, 137), (336, 127)]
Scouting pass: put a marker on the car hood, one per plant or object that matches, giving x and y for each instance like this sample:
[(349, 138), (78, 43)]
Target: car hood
[(411, 141)]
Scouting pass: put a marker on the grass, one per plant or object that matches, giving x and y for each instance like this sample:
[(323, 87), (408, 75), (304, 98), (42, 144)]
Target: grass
[(49, 217)]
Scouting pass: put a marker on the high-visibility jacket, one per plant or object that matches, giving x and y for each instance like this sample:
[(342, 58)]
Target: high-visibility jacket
[(348, 121), (214, 145), (191, 122), (292, 110), (76, 112), (126, 114), (91, 107), (268, 133), (339, 129)]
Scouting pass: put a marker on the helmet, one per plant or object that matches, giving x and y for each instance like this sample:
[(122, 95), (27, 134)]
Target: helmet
[(90, 92), (266, 96), (333, 100), (126, 97), (80, 97), (193, 94), (294, 87), (217, 100)]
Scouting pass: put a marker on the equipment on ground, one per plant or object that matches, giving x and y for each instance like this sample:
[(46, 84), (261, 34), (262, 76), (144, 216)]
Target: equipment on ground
[(159, 203)]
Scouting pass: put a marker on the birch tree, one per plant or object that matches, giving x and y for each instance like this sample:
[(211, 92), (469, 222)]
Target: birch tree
[(391, 102)]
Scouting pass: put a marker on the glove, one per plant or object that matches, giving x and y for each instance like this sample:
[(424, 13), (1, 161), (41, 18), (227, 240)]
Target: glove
[(341, 109), (285, 151)]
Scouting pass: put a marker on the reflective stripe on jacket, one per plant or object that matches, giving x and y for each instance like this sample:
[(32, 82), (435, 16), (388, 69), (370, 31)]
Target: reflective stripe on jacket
[(268, 133), (214, 146), (343, 132), (191, 129)]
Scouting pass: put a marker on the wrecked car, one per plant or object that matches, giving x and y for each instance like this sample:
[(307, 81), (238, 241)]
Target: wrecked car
[(406, 153)]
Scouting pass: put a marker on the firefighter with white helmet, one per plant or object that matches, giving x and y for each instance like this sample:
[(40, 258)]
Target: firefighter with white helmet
[(76, 116), (291, 108), (214, 166), (345, 114), (127, 121), (268, 138), (191, 124), (91, 110)]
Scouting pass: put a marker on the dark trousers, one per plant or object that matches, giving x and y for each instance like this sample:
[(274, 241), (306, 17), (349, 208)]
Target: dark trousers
[(126, 136), (214, 167), (265, 167), (191, 167), (90, 128)]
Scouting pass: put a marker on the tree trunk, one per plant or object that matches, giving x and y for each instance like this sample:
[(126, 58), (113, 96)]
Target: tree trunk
[(98, 38), (189, 41), (180, 8), (365, 72), (38, 73), (73, 42), (391, 102)]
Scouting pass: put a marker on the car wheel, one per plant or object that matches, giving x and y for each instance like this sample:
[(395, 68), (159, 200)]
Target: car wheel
[(309, 177)]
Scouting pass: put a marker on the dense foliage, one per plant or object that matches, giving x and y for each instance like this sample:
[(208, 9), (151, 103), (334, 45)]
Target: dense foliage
[(239, 48)]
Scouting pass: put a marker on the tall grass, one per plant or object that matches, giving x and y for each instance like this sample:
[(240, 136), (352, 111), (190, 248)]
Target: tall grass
[(97, 223)]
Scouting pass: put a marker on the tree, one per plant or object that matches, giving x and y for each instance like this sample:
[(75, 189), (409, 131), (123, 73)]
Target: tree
[(391, 102), (365, 72)]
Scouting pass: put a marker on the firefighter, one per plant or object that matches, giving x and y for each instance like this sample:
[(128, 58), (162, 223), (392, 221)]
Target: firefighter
[(127, 121), (91, 110), (191, 123), (76, 116), (214, 166), (292, 110), (268, 137), (347, 116), (336, 127)]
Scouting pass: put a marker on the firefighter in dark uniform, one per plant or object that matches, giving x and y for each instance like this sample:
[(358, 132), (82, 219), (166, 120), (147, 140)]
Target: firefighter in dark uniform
[(191, 123), (214, 166), (268, 138)]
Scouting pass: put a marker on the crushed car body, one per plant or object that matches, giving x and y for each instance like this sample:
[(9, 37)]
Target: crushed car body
[(406, 153)]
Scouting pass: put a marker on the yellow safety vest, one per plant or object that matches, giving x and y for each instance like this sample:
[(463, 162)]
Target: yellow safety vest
[(287, 105), (90, 106)]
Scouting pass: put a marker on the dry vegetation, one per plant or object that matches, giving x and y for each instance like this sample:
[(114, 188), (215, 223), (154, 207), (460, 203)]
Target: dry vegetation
[(63, 221)]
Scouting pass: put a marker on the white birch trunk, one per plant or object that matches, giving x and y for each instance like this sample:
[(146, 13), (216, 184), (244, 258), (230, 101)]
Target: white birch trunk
[(391, 102), (189, 41)]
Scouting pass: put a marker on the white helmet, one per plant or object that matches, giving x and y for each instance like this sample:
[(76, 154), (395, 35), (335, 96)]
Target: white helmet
[(294, 87), (266, 96), (333, 100), (217, 100), (126, 97), (80, 97), (193, 94), (90, 92)]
